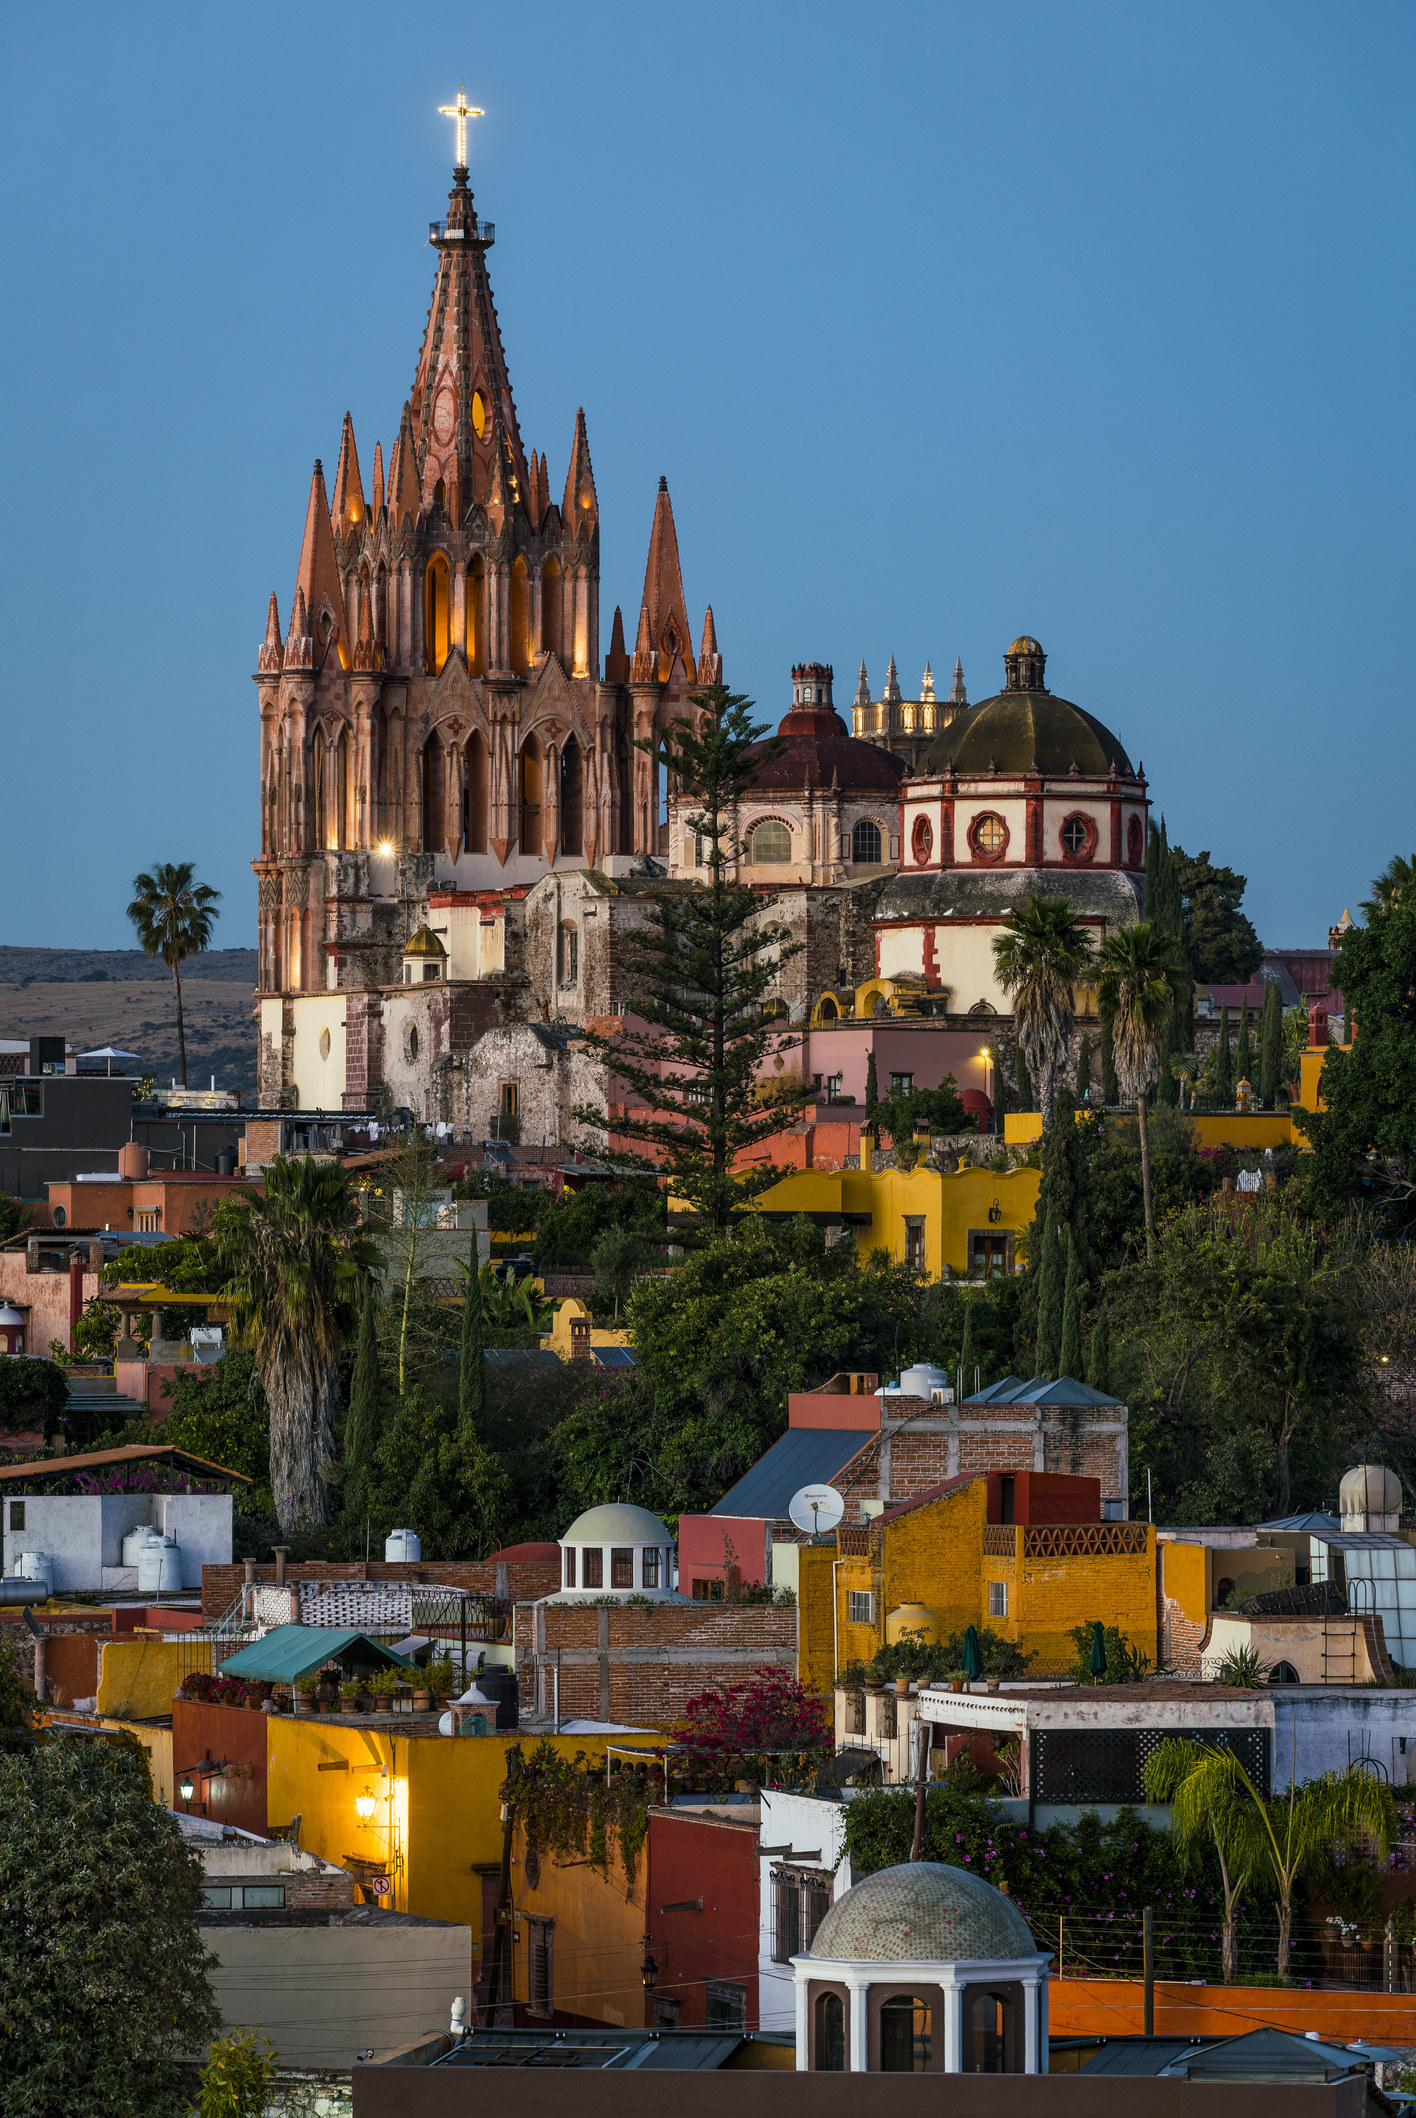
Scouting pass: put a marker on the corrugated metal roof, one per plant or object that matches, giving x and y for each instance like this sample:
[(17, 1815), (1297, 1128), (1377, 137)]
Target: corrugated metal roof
[(804, 1456), (1138, 2055), (1042, 1390), (1313, 1522), (291, 1651), (681, 2051), (107, 1459)]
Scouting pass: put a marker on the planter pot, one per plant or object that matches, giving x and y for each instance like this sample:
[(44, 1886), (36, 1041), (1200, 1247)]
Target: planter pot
[(383, 1706), (304, 1704), (422, 1702), (956, 1684), (349, 1705), (874, 1685)]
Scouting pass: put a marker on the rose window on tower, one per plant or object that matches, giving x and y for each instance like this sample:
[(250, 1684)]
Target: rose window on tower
[(1078, 838), (988, 836)]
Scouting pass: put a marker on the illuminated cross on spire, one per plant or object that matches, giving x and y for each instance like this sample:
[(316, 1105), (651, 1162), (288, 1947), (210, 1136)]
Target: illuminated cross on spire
[(461, 111)]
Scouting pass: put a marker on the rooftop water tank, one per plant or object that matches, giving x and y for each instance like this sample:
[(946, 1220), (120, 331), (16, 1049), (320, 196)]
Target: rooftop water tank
[(38, 1566), (154, 1565), (402, 1545), (135, 1541), (1369, 1498), (922, 1380)]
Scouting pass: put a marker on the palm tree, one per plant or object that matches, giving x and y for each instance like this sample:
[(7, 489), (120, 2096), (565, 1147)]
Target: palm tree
[(1226, 1822), (296, 1262), (1142, 970), (1285, 1836), (174, 918), (1398, 877), (1041, 953)]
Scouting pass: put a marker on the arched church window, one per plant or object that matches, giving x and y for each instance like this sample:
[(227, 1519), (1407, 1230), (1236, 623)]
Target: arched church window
[(1283, 1673), (572, 795), (530, 834), (830, 2034), (865, 841), (519, 618), (771, 844), (437, 616), (906, 2046), (922, 839)]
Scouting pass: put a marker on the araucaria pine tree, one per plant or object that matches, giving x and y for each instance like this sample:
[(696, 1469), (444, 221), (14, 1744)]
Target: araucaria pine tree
[(1051, 1289), (472, 1379), (700, 975), (1069, 1358)]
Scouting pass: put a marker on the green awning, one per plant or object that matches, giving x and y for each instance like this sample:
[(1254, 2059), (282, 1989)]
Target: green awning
[(291, 1651)]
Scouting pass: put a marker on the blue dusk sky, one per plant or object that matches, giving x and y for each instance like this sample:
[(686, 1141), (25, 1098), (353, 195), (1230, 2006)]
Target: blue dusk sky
[(945, 322)]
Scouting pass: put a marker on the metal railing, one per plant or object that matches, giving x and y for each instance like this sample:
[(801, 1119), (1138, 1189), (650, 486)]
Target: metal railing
[(470, 231)]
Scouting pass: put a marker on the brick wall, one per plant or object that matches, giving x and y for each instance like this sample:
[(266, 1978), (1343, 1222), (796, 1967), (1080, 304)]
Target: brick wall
[(641, 1665), (934, 1443), (517, 1579)]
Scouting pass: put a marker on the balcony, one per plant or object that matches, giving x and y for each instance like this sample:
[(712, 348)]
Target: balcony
[(470, 231), (1065, 1540)]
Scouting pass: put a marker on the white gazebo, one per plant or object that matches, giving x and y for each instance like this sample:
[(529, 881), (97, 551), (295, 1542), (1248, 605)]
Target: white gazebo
[(617, 1550), (922, 1969)]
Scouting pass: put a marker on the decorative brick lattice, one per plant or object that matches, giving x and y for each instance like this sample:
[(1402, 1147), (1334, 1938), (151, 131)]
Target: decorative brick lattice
[(1000, 1540), (1085, 1540), (1108, 1764), (360, 1606)]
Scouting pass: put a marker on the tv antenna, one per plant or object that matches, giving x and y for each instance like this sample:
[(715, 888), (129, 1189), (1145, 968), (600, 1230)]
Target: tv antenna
[(816, 1508)]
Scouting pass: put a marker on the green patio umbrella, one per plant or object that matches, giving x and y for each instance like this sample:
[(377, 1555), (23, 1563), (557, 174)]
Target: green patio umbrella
[(973, 1656), (1098, 1654)]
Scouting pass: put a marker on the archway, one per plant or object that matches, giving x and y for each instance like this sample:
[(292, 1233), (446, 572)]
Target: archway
[(529, 835), (572, 797), (906, 2043), (476, 615), (434, 795), (520, 618), (475, 787), (437, 615), (553, 610)]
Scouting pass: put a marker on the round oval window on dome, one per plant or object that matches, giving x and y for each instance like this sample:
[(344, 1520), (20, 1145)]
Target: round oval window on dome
[(922, 839), (988, 836)]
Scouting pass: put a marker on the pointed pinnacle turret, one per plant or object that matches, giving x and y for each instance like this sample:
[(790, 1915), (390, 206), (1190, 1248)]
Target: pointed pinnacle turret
[(617, 660), (862, 690), (663, 587), (272, 654), (926, 685), (958, 696), (299, 647), (581, 503), (348, 505), (404, 492), (645, 666), (533, 491), (318, 574), (892, 693), (376, 498), (710, 662)]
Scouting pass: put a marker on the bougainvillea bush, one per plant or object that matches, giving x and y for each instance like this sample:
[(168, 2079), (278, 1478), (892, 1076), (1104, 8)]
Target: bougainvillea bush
[(225, 1691), (768, 1710)]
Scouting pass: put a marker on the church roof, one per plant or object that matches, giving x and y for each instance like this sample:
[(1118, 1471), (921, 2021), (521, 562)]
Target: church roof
[(942, 894), (923, 1911), (820, 751), (1016, 730), (663, 603)]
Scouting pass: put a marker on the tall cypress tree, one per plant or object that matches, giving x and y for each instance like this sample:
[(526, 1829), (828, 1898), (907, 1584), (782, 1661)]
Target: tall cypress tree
[(1244, 1050), (1050, 1293), (1026, 1099), (872, 1088), (1110, 1093), (1084, 1069), (1069, 1356), (1224, 1061), (1099, 1356), (1165, 911), (1271, 1044), (362, 1429), (472, 1379), (966, 1352)]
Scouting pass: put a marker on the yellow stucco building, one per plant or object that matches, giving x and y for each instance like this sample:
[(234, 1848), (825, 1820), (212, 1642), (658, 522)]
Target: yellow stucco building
[(965, 1221)]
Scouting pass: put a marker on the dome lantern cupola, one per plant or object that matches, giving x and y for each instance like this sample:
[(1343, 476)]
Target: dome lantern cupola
[(1025, 664), (619, 1550)]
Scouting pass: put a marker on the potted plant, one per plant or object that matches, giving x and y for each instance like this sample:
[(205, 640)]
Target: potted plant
[(442, 1679), (382, 1688), (422, 1698), (351, 1695), (307, 1691)]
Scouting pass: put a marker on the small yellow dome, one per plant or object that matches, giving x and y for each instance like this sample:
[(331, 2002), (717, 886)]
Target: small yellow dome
[(424, 943), (1025, 644)]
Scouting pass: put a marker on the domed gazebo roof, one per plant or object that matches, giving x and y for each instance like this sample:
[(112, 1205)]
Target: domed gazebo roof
[(1015, 730), (618, 1522), (819, 748), (919, 1912)]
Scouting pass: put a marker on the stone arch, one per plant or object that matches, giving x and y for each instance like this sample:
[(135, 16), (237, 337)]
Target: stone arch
[(476, 792), (553, 610), (530, 773), (519, 617), (437, 612), (572, 797), (434, 793)]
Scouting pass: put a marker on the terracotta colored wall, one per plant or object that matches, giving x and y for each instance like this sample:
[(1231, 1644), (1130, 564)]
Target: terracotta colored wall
[(526, 1577), (640, 1666), (1082, 2007), (1046, 1496), (71, 1666), (718, 1863), (236, 1734), (703, 1545)]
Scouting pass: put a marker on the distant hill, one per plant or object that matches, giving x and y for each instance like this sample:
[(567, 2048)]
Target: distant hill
[(94, 997)]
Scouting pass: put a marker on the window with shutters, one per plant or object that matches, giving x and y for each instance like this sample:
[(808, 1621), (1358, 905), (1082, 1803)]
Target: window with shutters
[(801, 1898), (540, 1980), (621, 1566)]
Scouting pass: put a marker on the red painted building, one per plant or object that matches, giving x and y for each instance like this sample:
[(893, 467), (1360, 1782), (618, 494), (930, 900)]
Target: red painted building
[(701, 1920)]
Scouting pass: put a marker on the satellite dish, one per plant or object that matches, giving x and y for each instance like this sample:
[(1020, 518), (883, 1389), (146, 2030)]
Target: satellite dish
[(816, 1508)]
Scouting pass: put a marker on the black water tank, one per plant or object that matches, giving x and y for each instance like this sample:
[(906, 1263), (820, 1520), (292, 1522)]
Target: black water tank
[(499, 1683), (226, 1161)]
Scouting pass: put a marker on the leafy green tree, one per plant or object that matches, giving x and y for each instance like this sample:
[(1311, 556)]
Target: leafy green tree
[(173, 917), (1069, 1359), (1271, 1074), (239, 2074), (1364, 1139), (1041, 954), (1141, 971), (1223, 1821), (436, 1477), (17, 1705), (619, 1259), (296, 1260), (701, 975), (1051, 1292), (472, 1367), (1115, 1194), (1285, 1838), (14, 1216), (1224, 1074), (570, 1226), (1099, 1357), (968, 1359), (220, 1413), (1219, 940), (104, 1980), (362, 1428)]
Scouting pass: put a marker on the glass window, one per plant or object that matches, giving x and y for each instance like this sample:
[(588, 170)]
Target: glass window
[(905, 2041), (17, 1514), (860, 1607), (710, 1591), (922, 838), (830, 2034), (1075, 836), (727, 2005), (771, 844), (985, 2040), (997, 1599), (592, 1568), (262, 1894), (865, 841), (901, 1084), (621, 1566), (989, 835), (217, 1900), (570, 1566), (540, 1967), (651, 1566)]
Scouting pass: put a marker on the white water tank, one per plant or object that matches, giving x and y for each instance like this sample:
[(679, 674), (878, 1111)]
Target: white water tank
[(1370, 1498), (154, 1563), (169, 1568), (922, 1380), (134, 1542), (38, 1566), (403, 1544)]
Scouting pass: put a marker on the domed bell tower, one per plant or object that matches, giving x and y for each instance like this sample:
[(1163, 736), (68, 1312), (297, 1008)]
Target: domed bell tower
[(1025, 663)]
